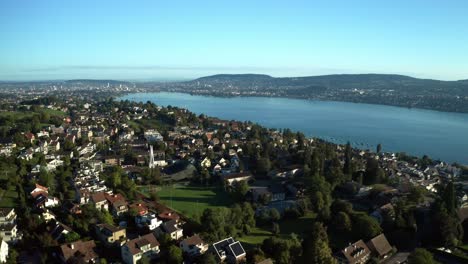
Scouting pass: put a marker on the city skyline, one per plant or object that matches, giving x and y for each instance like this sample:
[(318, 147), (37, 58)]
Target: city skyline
[(155, 40)]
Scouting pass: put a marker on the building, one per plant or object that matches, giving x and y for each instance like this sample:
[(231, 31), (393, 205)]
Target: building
[(356, 253), (8, 227), (193, 246), (380, 247), (3, 251), (99, 200), (78, 252), (118, 204), (135, 249), (111, 235), (152, 135), (233, 177), (148, 220), (229, 250), (172, 229)]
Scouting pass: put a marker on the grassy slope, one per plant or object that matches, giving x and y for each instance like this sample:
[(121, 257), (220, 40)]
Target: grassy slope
[(192, 200)]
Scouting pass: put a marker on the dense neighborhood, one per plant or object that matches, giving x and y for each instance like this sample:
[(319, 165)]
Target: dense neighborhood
[(88, 179)]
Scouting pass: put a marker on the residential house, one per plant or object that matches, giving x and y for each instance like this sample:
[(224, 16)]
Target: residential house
[(53, 164), (30, 136), (233, 177), (229, 250), (278, 192), (171, 228), (153, 135), (3, 251), (168, 215), (99, 200), (356, 253), (193, 246), (60, 230), (135, 249), (39, 190), (206, 163), (47, 215), (148, 220), (79, 252), (111, 235), (139, 208), (8, 228), (380, 247), (118, 204)]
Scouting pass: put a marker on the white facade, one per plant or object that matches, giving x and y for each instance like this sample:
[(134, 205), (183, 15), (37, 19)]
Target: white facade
[(3, 251)]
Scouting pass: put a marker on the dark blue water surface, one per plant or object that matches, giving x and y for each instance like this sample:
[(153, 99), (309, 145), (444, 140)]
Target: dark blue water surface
[(440, 135)]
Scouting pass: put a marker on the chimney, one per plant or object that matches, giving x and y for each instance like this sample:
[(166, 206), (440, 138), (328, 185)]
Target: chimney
[(72, 246)]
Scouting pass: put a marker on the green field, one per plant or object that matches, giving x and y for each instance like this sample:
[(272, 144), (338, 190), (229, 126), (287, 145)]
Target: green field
[(191, 200), (53, 112), (300, 227), (8, 198), (16, 115)]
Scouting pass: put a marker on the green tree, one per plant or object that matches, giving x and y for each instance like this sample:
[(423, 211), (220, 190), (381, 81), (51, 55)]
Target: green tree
[(365, 227), (208, 258), (275, 228), (71, 237), (174, 255), (240, 190), (421, 256), (316, 248), (342, 222), (274, 215), (449, 198), (373, 174)]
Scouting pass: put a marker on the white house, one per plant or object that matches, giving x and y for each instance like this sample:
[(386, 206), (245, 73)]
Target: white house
[(3, 251), (8, 227), (193, 246), (149, 220), (135, 249)]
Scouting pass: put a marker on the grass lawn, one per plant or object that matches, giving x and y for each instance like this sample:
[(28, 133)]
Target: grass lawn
[(465, 246), (53, 112), (8, 198), (16, 115), (191, 200), (300, 227), (7, 170)]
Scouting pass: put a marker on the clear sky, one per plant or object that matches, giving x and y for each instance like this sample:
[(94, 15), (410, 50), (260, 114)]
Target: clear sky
[(171, 39)]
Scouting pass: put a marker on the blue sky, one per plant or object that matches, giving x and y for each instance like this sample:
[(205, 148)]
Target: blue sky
[(141, 40)]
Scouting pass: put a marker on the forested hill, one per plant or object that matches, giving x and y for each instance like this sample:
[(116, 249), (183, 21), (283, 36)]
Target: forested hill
[(339, 81), (389, 89)]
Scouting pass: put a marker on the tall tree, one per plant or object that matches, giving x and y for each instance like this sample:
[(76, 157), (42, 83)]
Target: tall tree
[(316, 248), (421, 256)]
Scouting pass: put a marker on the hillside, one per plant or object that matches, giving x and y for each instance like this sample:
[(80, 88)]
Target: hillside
[(388, 89)]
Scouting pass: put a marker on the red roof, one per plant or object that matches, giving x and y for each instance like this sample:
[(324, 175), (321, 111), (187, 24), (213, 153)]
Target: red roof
[(169, 215)]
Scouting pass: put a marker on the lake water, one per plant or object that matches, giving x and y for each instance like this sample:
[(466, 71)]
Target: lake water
[(439, 135)]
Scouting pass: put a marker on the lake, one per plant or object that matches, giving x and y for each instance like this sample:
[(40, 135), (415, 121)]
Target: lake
[(440, 135)]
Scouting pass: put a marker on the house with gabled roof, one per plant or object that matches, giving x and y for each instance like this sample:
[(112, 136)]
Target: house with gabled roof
[(78, 252), (118, 203), (39, 190), (99, 200), (356, 253), (229, 250), (172, 228), (135, 249), (3, 251), (111, 235), (193, 246), (380, 247), (8, 227)]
